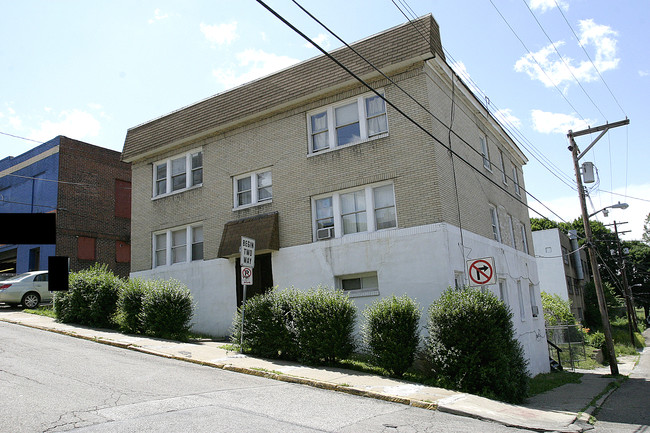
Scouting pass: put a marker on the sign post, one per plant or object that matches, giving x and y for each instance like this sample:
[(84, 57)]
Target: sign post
[(481, 272), (247, 263)]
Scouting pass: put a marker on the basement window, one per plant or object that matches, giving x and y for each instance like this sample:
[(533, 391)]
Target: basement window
[(358, 285)]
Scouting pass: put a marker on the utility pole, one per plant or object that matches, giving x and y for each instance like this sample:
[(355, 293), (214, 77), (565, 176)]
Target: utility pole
[(602, 306), (629, 304)]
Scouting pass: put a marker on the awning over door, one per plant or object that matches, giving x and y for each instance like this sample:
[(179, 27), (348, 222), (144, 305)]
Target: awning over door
[(262, 228)]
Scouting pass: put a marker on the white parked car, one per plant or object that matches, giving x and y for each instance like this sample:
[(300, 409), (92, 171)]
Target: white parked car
[(28, 289)]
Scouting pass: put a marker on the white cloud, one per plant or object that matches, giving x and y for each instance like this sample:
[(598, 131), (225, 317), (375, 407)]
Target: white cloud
[(158, 15), (322, 40), (75, 124), (256, 64), (506, 117), (220, 34), (544, 5), (644, 73), (547, 123), (546, 66)]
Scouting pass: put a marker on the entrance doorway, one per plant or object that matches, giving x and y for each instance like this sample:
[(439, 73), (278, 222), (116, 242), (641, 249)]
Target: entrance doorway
[(262, 278)]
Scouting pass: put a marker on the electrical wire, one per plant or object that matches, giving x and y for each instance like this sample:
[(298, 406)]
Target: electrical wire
[(562, 59), (423, 129)]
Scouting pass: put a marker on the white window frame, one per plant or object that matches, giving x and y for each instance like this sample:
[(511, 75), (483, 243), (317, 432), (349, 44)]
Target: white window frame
[(512, 231), (515, 180), (504, 177), (524, 240), (520, 296), (363, 118), (169, 247), (254, 191), (189, 174), (494, 221), (485, 152), (503, 292), (533, 302), (369, 282), (371, 222)]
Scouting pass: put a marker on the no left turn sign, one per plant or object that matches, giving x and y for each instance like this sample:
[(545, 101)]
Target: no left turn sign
[(481, 271)]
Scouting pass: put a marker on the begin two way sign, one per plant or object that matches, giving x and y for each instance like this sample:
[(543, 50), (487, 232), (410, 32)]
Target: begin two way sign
[(247, 260), (481, 272)]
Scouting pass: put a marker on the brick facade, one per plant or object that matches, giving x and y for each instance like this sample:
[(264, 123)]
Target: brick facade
[(87, 204)]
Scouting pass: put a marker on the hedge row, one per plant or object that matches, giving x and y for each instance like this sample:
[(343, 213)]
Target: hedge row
[(470, 347), (98, 298)]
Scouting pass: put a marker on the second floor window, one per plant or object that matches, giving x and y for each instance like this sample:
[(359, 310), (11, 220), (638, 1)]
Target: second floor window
[(253, 188), (347, 123), (178, 173), (485, 153)]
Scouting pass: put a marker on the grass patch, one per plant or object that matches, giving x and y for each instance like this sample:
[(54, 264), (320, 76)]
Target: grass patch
[(43, 310), (548, 381)]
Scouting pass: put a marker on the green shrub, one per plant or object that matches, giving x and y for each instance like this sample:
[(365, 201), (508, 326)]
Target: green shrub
[(130, 304), (391, 332), (471, 346), (167, 309), (91, 299), (323, 324), (266, 330)]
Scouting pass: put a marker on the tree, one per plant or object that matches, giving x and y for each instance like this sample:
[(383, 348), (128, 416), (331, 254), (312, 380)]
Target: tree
[(646, 230), (557, 310), (638, 272)]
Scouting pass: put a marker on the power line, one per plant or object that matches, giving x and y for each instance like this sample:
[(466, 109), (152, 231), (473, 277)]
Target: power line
[(562, 59), (505, 123), (538, 64), (22, 138), (587, 54), (410, 119)]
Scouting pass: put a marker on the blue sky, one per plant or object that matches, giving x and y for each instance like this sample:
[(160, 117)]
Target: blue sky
[(92, 69)]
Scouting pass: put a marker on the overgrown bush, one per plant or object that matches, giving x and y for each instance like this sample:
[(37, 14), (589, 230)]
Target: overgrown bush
[(130, 304), (557, 310), (391, 332), (91, 299), (267, 328), (323, 324), (167, 310), (471, 346)]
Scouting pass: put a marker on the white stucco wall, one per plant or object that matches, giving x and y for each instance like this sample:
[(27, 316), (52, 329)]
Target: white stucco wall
[(420, 262), (550, 264)]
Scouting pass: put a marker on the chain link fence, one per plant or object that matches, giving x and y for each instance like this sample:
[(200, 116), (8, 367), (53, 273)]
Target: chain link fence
[(566, 345)]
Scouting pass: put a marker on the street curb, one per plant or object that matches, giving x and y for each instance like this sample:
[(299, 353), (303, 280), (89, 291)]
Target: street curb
[(244, 370)]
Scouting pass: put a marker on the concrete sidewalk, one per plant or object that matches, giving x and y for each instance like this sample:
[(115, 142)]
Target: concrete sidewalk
[(554, 411)]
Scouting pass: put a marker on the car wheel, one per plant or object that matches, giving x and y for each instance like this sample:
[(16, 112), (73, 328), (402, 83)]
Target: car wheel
[(31, 300)]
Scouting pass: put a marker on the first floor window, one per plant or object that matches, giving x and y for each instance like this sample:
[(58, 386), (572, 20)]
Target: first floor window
[(503, 292), (253, 188), (364, 209), (178, 245)]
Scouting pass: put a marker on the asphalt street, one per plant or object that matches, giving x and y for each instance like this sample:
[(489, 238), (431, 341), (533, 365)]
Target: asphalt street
[(52, 382)]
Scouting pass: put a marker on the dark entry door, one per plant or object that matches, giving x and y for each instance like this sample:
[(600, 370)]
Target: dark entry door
[(262, 278)]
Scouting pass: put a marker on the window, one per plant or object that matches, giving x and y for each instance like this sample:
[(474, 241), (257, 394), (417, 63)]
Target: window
[(520, 295), (533, 302), (122, 198), (357, 285), (253, 188), (486, 154), (503, 168), (503, 292), (86, 248), (349, 122), (524, 240), (459, 280), (496, 232), (178, 245), (515, 180), (367, 209), (171, 175), (565, 255), (512, 231)]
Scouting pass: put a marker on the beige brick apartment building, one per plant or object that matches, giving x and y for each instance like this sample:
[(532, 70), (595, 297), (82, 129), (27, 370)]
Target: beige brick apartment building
[(336, 186)]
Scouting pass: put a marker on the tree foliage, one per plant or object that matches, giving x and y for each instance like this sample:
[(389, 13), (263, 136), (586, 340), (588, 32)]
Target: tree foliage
[(557, 310)]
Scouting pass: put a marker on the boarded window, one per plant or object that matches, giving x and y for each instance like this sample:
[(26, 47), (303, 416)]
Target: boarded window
[(122, 199), (85, 248), (122, 252)]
